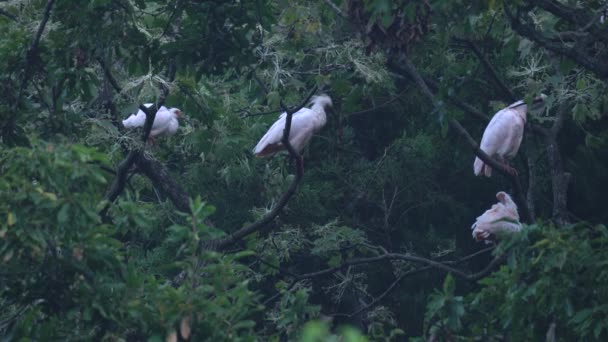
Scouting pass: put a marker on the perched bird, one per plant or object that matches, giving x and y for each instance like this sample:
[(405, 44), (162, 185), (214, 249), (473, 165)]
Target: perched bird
[(502, 137), (165, 121), (501, 219), (304, 124)]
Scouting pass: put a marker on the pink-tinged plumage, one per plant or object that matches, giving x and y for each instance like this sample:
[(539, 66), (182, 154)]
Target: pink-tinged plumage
[(503, 136), (165, 121), (502, 218), (304, 123)]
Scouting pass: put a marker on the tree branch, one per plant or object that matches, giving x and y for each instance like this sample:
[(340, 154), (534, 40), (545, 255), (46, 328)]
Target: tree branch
[(456, 101), (8, 15), (444, 266), (108, 73), (508, 94), (392, 286), (559, 178), (411, 70), (160, 177), (269, 217), (598, 67), (375, 108), (31, 53)]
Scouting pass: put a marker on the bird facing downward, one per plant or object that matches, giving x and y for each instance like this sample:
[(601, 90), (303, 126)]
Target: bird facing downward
[(165, 121), (304, 123), (502, 218), (502, 136)]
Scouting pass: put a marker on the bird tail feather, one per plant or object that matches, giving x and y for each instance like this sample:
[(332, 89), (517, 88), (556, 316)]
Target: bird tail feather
[(479, 166)]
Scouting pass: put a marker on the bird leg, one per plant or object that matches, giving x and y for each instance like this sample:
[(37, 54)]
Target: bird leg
[(505, 164)]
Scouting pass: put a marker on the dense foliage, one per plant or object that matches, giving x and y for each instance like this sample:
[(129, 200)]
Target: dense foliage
[(103, 237)]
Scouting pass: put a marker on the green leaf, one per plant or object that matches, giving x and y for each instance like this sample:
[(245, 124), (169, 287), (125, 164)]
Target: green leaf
[(11, 219)]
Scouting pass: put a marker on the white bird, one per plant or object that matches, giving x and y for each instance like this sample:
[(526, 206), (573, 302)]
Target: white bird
[(502, 137), (304, 123), (165, 121), (502, 218)]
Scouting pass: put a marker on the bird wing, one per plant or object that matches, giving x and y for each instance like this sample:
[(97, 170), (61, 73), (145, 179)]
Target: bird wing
[(173, 126), (496, 132), (506, 200), (301, 122), (495, 220), (135, 120), (139, 119)]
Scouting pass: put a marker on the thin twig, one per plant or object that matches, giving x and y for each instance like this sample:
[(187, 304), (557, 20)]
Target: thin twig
[(31, 53), (336, 9), (375, 108), (508, 94)]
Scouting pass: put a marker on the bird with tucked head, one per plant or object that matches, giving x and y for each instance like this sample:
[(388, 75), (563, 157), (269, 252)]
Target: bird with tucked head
[(502, 218)]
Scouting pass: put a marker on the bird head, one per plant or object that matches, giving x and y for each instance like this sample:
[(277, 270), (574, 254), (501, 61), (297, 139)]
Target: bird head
[(322, 100), (502, 197), (176, 112)]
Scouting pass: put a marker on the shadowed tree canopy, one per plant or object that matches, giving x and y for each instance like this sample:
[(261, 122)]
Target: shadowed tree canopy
[(105, 236)]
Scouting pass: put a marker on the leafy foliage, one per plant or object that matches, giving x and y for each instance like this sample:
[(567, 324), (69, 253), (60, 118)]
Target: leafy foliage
[(535, 293), (386, 181)]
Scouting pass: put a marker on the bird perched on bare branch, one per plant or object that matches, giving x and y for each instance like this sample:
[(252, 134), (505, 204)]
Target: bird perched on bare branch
[(165, 121), (503, 136), (502, 218), (304, 124)]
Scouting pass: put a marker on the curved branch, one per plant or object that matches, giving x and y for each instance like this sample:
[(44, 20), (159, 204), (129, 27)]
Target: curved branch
[(269, 217), (411, 70), (430, 264)]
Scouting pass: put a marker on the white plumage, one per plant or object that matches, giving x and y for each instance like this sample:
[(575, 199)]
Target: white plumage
[(165, 121), (503, 136), (304, 123), (502, 218)]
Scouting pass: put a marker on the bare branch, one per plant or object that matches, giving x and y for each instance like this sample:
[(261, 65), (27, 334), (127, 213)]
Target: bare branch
[(135, 155), (375, 108), (108, 73), (508, 94), (31, 54), (455, 100), (391, 287), (531, 159), (411, 70), (119, 182), (410, 258), (270, 216), (160, 177)]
